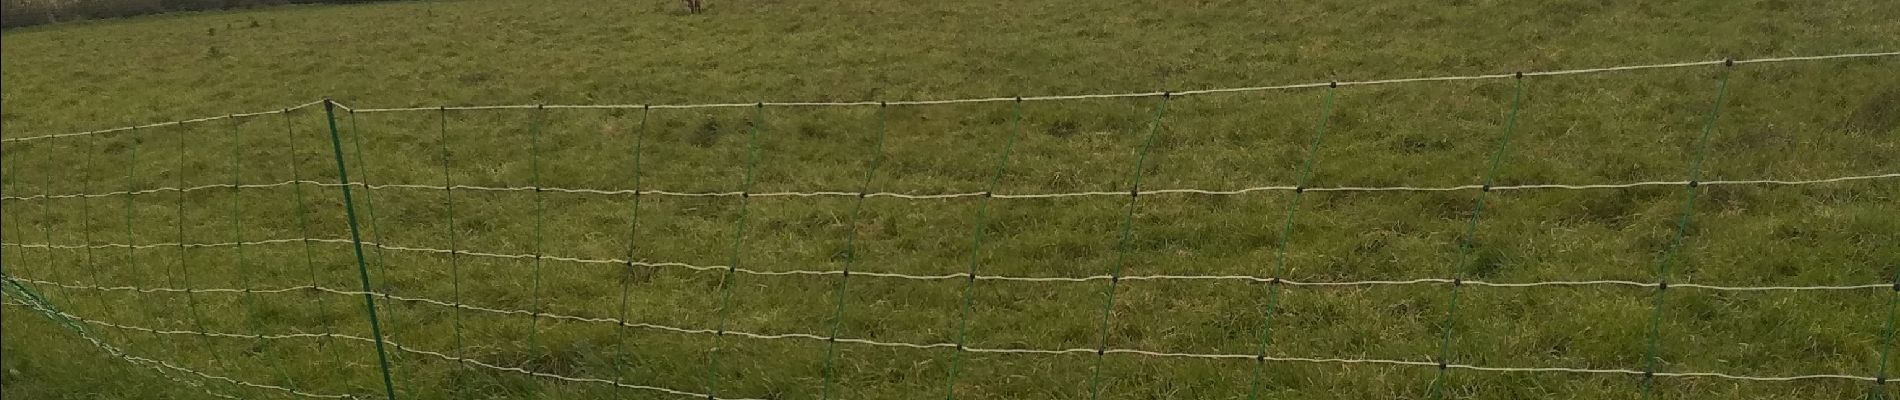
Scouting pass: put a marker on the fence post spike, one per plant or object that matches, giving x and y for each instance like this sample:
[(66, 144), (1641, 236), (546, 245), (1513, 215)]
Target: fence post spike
[(356, 242)]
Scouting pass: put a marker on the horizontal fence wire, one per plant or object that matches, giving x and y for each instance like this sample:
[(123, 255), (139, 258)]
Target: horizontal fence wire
[(1000, 99), (331, 335), (953, 346), (167, 123), (162, 366), (1139, 94), (892, 275), (166, 369), (927, 196)]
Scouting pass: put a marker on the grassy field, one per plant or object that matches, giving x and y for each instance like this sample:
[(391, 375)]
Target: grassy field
[(1804, 120)]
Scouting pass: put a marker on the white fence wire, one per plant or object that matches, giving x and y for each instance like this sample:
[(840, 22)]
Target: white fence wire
[(167, 369), (1003, 99), (928, 196), (939, 345), (163, 366), (922, 277)]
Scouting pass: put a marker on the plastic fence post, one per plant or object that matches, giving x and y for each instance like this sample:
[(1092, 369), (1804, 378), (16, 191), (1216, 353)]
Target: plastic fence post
[(356, 241), (1682, 229), (1471, 230), (633, 236), (976, 247), (1286, 234), (851, 252), (738, 244)]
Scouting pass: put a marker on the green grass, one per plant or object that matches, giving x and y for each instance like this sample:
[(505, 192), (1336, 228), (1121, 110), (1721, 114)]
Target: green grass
[(1794, 121)]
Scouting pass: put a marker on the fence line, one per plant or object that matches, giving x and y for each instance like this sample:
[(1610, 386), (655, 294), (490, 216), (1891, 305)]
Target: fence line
[(159, 365), (929, 196), (1139, 94), (1442, 362), (331, 335), (998, 99), (167, 123), (953, 346), (949, 276)]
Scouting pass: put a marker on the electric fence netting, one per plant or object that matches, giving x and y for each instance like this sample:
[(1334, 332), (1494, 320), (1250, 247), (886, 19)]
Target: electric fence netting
[(1701, 229)]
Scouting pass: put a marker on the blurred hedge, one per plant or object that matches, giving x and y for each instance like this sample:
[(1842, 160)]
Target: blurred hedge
[(19, 13)]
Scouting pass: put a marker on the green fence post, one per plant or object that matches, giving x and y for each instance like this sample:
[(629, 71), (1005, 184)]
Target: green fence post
[(356, 241)]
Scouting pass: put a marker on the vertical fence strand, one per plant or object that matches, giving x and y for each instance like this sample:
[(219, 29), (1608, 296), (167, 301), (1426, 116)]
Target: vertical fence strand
[(183, 278), (851, 253), (85, 210), (976, 249), (303, 222), (375, 227), (738, 244), (1471, 231), (1682, 229), (633, 251), (1286, 234), (46, 213), (238, 259), (540, 214), (1879, 390), (9, 160), (131, 184), (455, 265), (1121, 246)]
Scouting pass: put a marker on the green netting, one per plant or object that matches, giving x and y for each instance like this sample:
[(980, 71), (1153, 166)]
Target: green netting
[(603, 237)]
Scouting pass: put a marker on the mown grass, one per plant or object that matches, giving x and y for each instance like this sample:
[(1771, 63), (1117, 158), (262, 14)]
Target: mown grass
[(1793, 121)]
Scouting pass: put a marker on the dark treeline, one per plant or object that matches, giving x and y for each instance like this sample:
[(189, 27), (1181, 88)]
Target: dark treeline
[(19, 13)]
